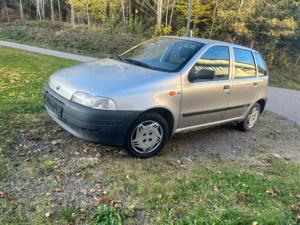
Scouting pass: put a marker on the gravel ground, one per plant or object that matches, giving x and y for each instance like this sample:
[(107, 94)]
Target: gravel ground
[(59, 160)]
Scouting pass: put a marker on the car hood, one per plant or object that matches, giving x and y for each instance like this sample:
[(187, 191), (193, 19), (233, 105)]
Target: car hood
[(97, 77)]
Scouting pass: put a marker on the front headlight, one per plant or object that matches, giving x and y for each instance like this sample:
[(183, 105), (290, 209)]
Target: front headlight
[(93, 101)]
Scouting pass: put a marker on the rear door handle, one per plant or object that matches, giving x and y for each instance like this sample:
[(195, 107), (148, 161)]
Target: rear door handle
[(226, 87), (255, 83)]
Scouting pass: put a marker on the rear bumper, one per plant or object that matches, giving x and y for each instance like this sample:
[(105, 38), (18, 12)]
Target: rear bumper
[(93, 125)]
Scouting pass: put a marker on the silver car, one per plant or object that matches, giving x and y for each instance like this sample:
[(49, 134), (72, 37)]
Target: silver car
[(157, 89)]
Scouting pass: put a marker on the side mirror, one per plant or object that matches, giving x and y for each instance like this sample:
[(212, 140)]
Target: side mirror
[(201, 74)]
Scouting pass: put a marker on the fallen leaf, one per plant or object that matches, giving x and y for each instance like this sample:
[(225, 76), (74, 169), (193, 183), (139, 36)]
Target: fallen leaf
[(270, 191), (47, 214), (98, 186), (106, 200), (105, 151), (56, 165), (196, 197), (57, 176), (104, 192), (77, 174), (49, 203), (48, 193), (218, 172), (242, 194), (267, 164), (295, 207), (16, 164), (46, 173), (82, 217), (254, 223), (183, 166), (21, 154), (291, 195), (75, 182), (83, 192), (27, 160), (215, 207), (55, 142), (117, 205), (34, 137), (3, 194), (130, 207), (170, 207), (127, 176), (57, 189), (20, 188), (216, 189), (90, 166), (92, 191), (159, 197), (297, 196)]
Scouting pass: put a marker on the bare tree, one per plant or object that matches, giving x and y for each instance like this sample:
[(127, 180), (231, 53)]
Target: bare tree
[(59, 12), (19, 4), (5, 7), (52, 9), (72, 13)]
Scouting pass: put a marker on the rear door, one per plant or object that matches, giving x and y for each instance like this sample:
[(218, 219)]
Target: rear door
[(245, 84), (205, 101)]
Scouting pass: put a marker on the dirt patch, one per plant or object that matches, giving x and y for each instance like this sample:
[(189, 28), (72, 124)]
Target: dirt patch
[(58, 169)]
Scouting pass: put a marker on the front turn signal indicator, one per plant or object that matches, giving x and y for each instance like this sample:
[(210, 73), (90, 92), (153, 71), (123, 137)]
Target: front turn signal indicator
[(172, 93)]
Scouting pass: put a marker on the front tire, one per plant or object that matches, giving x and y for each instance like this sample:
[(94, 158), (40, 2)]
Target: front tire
[(251, 119), (147, 135)]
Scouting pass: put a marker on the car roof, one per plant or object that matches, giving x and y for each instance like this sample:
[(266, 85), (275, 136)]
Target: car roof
[(207, 41)]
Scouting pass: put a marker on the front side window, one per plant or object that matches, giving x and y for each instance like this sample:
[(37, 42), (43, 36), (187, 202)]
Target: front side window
[(262, 71), (244, 63), (169, 54), (216, 59)]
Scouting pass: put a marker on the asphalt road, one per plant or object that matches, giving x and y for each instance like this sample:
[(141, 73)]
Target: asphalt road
[(48, 52), (283, 102)]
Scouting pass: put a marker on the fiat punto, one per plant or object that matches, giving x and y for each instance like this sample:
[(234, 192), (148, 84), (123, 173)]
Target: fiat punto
[(157, 89)]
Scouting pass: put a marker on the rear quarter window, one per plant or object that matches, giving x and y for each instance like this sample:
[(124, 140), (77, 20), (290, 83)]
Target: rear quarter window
[(262, 70), (244, 63)]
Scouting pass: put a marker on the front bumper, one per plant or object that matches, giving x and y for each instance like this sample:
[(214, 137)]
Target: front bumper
[(99, 126)]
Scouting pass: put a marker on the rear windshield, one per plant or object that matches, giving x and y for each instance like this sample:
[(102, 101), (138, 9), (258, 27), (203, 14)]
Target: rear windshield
[(168, 54), (262, 70)]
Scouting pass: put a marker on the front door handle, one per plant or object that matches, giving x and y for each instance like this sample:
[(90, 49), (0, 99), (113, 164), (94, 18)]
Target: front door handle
[(255, 83), (226, 87)]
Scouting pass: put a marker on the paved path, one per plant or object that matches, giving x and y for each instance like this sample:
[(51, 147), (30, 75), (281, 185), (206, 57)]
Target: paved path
[(283, 102), (48, 52)]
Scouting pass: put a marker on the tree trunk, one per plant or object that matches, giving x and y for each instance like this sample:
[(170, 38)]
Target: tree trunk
[(87, 12), (159, 11), (123, 10), (129, 11), (167, 14), (72, 13), (43, 8), (6, 10), (107, 11), (236, 19), (172, 13), (214, 16), (59, 12), (52, 10), (196, 18), (21, 10), (297, 61)]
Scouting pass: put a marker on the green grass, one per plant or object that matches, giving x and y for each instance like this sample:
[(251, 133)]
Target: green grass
[(22, 78), (285, 78), (178, 195)]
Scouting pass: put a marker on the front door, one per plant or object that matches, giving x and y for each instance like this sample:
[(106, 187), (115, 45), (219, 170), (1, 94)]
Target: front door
[(206, 101), (245, 84)]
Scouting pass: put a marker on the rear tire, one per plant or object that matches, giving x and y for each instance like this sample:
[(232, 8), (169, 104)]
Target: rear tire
[(147, 135), (251, 118)]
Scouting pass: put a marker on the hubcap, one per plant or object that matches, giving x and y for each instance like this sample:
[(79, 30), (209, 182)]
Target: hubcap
[(252, 117), (147, 136)]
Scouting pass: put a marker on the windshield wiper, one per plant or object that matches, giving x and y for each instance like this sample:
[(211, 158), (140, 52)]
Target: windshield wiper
[(119, 57), (139, 63)]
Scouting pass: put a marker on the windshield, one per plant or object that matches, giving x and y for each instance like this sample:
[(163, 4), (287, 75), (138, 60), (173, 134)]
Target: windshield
[(169, 54)]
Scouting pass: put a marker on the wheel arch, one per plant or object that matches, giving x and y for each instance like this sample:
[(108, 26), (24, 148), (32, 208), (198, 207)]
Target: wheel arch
[(168, 116), (262, 102)]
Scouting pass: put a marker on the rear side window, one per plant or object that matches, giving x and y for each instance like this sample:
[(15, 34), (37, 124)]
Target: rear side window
[(262, 71), (244, 63), (216, 59)]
